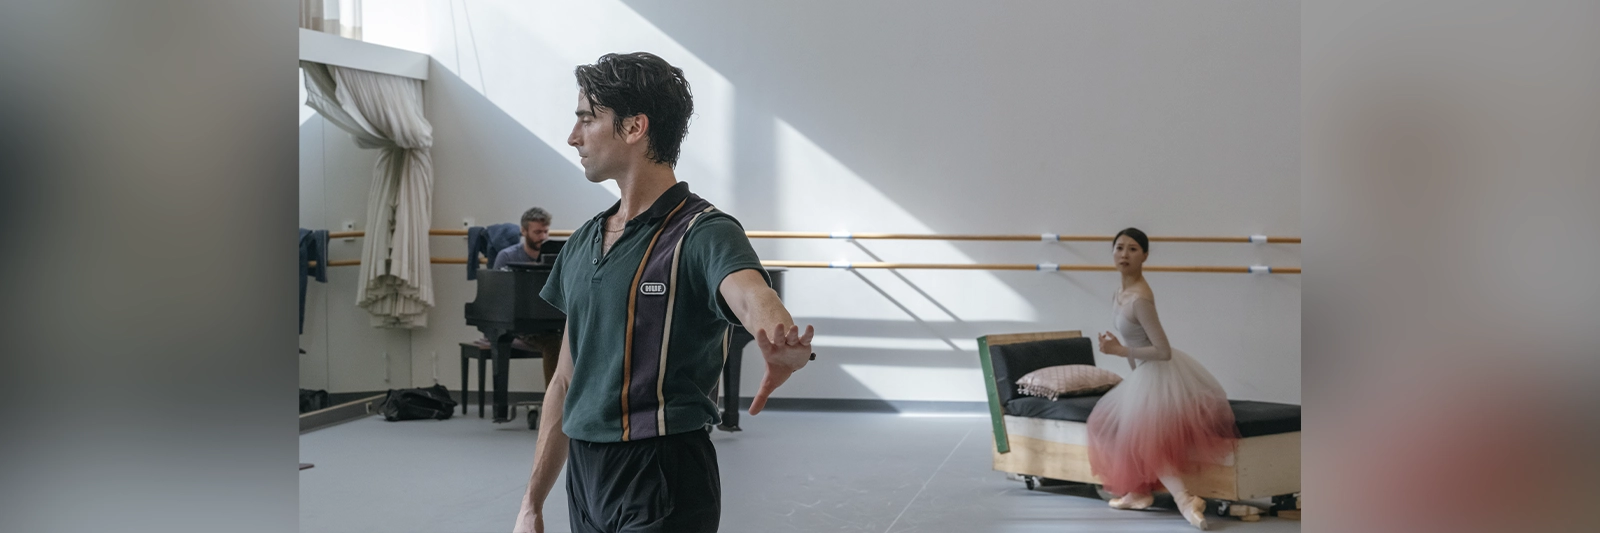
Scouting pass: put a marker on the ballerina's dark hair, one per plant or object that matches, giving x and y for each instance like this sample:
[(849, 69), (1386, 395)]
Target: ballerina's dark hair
[(1136, 235)]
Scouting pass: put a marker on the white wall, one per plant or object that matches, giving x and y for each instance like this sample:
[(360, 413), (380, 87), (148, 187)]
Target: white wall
[(1070, 117)]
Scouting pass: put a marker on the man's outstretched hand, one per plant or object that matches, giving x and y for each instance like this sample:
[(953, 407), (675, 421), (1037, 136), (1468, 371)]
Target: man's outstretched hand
[(785, 352)]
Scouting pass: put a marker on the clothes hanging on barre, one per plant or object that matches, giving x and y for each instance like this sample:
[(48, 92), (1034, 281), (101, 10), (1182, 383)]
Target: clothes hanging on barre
[(313, 247), (486, 242)]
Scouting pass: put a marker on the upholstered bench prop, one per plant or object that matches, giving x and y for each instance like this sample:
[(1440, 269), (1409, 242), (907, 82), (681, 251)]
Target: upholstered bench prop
[(1049, 439)]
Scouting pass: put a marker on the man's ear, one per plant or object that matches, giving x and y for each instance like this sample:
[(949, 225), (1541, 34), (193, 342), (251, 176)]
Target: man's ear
[(635, 127)]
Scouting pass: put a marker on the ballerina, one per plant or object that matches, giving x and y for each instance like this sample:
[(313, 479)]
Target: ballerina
[(1170, 417)]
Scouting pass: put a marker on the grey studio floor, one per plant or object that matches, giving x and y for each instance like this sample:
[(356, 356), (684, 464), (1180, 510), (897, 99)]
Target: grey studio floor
[(787, 471)]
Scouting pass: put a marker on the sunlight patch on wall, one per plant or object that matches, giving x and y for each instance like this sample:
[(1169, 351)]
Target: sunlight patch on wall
[(819, 193), (920, 383), (521, 57), (894, 343)]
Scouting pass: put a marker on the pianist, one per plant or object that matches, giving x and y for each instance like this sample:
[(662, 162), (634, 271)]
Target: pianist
[(649, 288), (535, 232)]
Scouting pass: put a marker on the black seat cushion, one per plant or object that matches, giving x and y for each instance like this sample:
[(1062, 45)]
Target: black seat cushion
[(1265, 418), (1253, 418), (1075, 409), (1012, 361)]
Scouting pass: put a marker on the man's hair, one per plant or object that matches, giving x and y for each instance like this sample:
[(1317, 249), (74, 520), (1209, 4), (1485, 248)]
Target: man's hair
[(642, 84), (535, 215)]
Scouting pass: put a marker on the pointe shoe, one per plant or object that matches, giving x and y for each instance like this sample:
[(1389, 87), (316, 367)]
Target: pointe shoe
[(1193, 509), (1132, 501)]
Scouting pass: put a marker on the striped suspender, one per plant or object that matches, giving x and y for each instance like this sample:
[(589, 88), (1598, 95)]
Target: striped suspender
[(649, 331)]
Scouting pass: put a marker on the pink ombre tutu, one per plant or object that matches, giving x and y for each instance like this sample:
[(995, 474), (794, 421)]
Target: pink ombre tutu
[(1168, 417)]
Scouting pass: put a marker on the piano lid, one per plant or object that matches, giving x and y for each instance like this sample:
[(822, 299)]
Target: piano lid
[(518, 266), (509, 300)]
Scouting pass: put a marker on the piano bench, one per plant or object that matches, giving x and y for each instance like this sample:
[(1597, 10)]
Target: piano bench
[(473, 350)]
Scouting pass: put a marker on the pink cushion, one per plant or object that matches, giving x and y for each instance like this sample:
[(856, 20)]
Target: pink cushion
[(1067, 380)]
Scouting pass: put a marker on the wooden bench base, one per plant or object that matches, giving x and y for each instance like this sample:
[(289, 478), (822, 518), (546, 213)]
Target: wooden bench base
[(1261, 467)]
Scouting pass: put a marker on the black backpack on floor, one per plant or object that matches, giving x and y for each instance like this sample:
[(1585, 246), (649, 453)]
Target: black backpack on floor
[(312, 400), (431, 403)]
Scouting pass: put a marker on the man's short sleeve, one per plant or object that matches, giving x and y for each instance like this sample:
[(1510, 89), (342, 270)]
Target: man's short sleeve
[(716, 246), (552, 287)]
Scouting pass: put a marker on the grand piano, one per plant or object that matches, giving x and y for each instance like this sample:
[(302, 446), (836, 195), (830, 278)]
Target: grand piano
[(508, 304)]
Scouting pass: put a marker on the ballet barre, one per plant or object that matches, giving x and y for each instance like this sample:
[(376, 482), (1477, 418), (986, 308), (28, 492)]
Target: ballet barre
[(1048, 267), (341, 263), (1039, 237), (847, 265), (431, 232), (845, 235), (434, 260)]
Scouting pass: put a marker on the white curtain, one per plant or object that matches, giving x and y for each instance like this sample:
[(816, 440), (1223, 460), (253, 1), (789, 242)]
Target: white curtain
[(384, 112)]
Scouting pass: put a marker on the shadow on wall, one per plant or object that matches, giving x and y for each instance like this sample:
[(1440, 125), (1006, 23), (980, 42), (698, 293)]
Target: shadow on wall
[(1192, 105), (751, 150), (912, 132), (1045, 108), (478, 147), (524, 52), (1158, 118)]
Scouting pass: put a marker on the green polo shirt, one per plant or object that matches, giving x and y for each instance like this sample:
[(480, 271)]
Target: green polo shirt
[(625, 387)]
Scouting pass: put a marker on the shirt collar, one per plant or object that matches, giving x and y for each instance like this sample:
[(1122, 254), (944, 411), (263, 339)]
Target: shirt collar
[(662, 206)]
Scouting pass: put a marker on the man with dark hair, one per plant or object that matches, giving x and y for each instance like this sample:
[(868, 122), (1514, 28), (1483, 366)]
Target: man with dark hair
[(535, 231), (650, 288)]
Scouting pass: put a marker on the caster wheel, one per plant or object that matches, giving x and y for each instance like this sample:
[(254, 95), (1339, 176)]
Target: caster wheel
[(1248, 513), (1285, 502), (1028, 481), (533, 419)]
